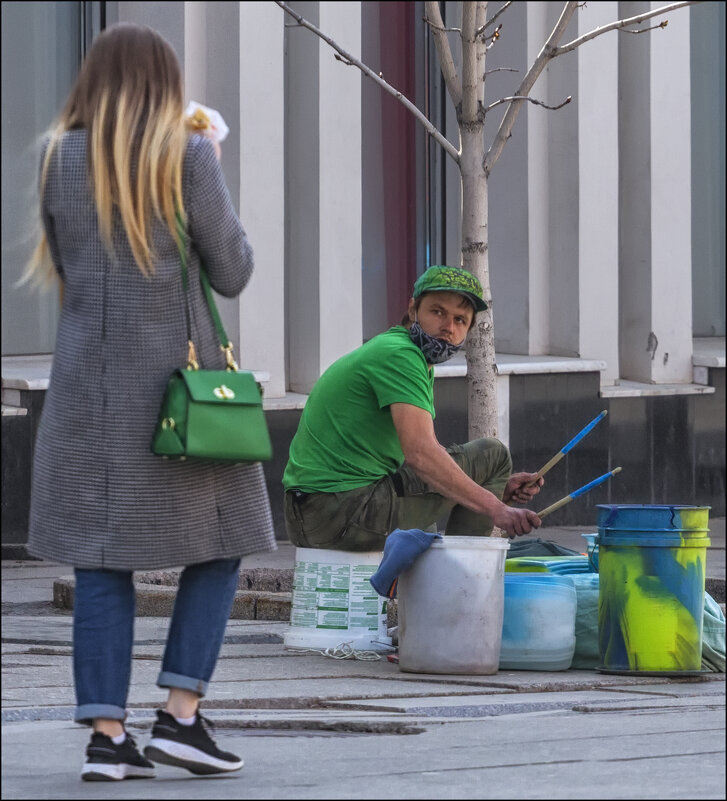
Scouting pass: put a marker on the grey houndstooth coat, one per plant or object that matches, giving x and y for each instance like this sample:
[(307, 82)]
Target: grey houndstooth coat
[(100, 498)]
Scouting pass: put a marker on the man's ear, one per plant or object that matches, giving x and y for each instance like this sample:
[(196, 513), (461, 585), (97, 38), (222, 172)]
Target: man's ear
[(411, 311)]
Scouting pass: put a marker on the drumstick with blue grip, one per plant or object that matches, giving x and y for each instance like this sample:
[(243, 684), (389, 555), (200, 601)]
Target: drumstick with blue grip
[(562, 452), (582, 491)]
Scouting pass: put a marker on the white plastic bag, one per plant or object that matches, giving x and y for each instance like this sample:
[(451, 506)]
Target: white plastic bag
[(208, 120)]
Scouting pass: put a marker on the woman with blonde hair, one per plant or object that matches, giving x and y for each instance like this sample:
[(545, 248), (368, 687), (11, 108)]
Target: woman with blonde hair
[(117, 168)]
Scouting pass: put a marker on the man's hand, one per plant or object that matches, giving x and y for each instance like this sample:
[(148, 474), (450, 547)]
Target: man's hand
[(437, 468), (515, 522), (520, 490)]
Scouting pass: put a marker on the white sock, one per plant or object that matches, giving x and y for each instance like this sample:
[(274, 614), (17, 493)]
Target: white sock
[(119, 738), (186, 721)]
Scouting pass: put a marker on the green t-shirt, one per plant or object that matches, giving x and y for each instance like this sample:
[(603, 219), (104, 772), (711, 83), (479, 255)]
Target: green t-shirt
[(346, 437)]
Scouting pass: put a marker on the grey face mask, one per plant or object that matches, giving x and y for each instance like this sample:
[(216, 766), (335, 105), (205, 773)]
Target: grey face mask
[(435, 350)]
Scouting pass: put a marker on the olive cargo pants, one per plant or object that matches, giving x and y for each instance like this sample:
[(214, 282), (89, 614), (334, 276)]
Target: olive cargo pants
[(361, 519)]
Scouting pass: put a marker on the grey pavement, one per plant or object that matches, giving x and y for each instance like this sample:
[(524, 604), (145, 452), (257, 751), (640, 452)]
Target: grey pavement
[(312, 727)]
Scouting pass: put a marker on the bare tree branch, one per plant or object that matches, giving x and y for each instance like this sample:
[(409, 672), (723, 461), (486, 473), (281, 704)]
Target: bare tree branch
[(646, 30), (354, 62), (492, 19), (620, 23), (446, 62), (439, 28), (480, 17), (470, 72), (544, 56), (495, 36), (530, 100), (501, 69)]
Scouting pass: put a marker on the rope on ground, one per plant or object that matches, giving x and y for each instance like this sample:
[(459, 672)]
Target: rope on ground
[(343, 650)]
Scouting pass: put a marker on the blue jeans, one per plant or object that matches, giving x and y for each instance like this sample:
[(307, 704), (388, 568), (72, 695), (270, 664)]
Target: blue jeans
[(103, 634)]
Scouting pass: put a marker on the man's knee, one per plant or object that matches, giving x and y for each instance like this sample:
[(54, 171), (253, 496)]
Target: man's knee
[(503, 457), (488, 454)]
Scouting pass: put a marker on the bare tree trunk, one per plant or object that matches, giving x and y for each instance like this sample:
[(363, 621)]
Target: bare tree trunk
[(474, 163), (482, 383)]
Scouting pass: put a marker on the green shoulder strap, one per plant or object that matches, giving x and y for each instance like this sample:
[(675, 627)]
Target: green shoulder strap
[(225, 343)]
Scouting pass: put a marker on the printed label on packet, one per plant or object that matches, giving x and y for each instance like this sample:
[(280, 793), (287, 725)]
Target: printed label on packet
[(364, 601), (332, 620), (305, 576), (333, 599), (333, 577), (303, 609)]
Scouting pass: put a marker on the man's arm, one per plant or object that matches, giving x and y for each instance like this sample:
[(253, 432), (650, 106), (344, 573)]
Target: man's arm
[(436, 467)]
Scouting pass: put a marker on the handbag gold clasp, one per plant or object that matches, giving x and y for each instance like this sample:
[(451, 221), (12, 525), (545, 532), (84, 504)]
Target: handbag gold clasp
[(192, 363), (231, 363), (223, 393)]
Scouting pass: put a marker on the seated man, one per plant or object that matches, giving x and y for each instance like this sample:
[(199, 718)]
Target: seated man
[(365, 459)]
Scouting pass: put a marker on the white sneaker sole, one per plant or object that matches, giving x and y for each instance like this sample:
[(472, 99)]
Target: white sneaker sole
[(100, 772), (169, 752)]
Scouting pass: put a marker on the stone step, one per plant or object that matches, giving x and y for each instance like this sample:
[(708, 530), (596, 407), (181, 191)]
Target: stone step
[(157, 600), (264, 596)]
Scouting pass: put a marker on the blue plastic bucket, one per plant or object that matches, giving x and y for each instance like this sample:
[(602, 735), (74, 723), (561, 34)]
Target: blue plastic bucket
[(538, 628), (651, 562)]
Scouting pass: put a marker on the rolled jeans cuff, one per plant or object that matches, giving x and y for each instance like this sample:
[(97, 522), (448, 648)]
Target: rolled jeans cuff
[(175, 680), (87, 713)]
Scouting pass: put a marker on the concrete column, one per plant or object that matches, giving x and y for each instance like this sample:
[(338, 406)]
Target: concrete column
[(598, 191), (262, 189), (655, 292), (509, 209), (563, 186), (323, 193), (538, 199), (340, 207), (195, 51), (168, 19), (671, 209), (218, 23)]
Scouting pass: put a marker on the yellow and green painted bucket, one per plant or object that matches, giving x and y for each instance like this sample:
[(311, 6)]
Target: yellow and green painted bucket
[(651, 565)]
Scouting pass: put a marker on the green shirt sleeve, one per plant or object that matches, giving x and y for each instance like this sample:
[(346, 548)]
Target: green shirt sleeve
[(403, 378), (346, 437)]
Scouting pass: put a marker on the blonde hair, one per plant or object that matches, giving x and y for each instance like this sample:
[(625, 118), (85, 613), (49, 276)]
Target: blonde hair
[(128, 98)]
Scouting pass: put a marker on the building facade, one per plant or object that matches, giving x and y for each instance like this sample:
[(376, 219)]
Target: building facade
[(606, 220)]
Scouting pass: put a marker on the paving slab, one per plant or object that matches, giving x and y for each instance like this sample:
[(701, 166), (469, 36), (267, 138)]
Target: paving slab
[(557, 753), (311, 727), (486, 704)]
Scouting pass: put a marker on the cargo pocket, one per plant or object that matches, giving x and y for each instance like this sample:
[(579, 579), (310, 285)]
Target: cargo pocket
[(319, 521), (370, 519)]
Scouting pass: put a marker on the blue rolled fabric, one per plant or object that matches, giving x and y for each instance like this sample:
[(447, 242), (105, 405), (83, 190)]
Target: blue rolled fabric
[(401, 550)]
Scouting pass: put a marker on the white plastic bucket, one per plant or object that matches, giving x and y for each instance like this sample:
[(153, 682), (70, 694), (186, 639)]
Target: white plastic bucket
[(538, 631), (334, 602), (451, 606)]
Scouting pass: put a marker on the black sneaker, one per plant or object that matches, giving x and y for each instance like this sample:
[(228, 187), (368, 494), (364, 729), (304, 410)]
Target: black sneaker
[(106, 762), (188, 747)]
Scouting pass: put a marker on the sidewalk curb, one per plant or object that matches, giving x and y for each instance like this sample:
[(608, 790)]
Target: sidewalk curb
[(265, 594), (153, 600)]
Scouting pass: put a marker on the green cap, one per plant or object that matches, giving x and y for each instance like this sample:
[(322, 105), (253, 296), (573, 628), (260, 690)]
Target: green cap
[(451, 279)]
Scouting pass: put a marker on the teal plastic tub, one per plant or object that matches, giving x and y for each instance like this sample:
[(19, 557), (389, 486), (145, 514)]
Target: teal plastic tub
[(538, 630)]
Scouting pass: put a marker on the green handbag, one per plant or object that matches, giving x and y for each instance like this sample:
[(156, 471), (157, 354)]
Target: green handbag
[(211, 414)]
